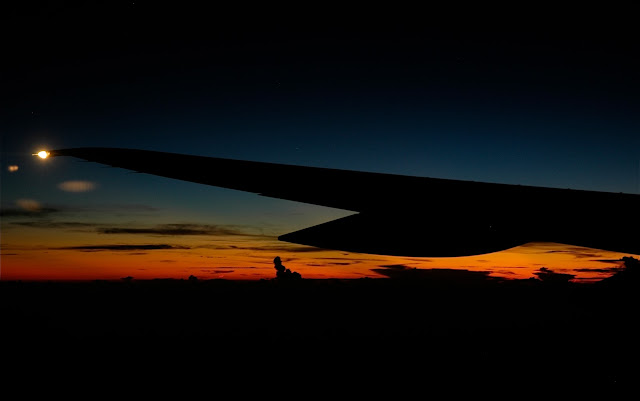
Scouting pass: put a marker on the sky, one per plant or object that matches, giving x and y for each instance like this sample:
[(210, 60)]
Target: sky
[(522, 104)]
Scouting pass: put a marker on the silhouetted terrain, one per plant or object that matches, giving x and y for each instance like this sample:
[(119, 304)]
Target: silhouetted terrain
[(577, 331)]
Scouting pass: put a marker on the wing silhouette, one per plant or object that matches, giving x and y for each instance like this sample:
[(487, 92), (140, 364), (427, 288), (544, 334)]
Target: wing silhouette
[(406, 215)]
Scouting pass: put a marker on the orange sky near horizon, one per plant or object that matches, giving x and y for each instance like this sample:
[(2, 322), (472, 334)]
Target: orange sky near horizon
[(30, 256)]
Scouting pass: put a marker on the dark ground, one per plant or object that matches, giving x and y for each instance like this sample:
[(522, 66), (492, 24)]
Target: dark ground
[(393, 333)]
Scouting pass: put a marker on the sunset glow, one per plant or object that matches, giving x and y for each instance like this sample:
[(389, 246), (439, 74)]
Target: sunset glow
[(31, 256)]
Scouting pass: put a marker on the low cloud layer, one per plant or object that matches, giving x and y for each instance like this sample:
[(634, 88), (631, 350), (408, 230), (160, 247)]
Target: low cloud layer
[(284, 247), (121, 247), (33, 208), (44, 221), (406, 272), (67, 225), (28, 212), (175, 229)]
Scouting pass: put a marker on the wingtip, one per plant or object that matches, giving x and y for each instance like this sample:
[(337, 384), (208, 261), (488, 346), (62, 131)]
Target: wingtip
[(59, 152)]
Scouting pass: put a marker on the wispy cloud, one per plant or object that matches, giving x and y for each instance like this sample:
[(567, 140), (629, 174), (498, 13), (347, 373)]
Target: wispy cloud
[(609, 260), (120, 247), (351, 263), (21, 212), (33, 208), (406, 272), (577, 252), (550, 248), (170, 229), (30, 205), (131, 207), (546, 274), (221, 269), (77, 186), (396, 267), (73, 225), (216, 271), (421, 260), (270, 248), (178, 229), (512, 267), (600, 270), (366, 258)]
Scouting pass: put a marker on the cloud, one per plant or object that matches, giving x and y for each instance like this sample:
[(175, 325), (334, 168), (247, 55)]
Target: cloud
[(405, 272), (55, 224), (33, 208), (177, 229), (578, 252), (268, 248), (397, 267), (220, 270), (608, 260), (30, 205), (421, 260), (171, 229), (349, 259), (350, 263), (21, 212), (599, 270), (133, 207), (77, 186), (120, 247), (548, 275)]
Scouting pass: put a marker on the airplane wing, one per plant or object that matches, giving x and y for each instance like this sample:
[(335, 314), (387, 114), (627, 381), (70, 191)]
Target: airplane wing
[(405, 215)]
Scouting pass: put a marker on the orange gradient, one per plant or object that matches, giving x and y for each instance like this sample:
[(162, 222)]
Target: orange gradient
[(32, 257)]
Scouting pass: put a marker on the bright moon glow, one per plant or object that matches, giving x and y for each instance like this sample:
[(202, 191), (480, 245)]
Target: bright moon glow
[(43, 154)]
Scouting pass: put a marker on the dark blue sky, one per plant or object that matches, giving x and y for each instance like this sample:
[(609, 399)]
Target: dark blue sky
[(519, 104)]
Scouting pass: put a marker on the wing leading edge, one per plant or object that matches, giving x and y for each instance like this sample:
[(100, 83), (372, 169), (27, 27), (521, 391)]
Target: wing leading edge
[(405, 215)]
